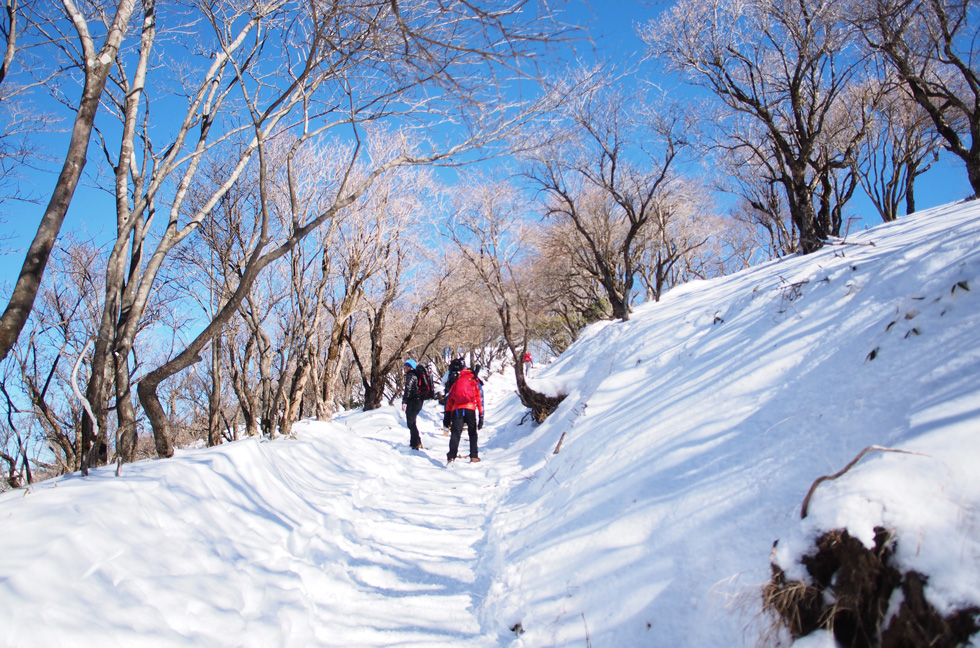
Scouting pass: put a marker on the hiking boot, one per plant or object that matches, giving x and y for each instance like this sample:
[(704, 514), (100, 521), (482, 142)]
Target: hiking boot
[(417, 447), (474, 459)]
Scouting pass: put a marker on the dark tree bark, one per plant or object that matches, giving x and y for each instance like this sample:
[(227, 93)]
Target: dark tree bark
[(214, 398)]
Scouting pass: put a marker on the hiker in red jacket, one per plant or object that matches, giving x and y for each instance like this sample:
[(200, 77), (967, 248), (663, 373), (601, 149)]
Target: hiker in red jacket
[(462, 404)]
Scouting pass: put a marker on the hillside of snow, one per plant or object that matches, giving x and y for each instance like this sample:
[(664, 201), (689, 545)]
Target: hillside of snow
[(689, 437)]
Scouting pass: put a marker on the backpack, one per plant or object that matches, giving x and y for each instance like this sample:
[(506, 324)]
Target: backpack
[(466, 389), (426, 391)]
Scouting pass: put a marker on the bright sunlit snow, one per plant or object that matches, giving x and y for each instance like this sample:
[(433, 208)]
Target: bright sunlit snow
[(691, 434)]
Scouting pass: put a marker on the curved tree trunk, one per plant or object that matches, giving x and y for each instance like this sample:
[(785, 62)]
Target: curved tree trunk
[(541, 405)]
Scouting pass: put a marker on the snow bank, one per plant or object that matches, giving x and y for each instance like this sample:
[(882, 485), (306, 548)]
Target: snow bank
[(694, 431)]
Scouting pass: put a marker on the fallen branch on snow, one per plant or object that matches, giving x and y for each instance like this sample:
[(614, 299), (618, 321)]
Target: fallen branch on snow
[(820, 480)]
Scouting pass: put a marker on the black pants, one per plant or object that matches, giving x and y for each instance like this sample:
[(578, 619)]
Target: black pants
[(412, 409), (456, 431)]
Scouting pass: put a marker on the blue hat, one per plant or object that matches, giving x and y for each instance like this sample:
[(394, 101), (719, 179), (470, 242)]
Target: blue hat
[(411, 363)]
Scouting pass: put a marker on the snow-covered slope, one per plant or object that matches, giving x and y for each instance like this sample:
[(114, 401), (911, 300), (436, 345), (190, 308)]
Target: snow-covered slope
[(689, 437), (694, 431)]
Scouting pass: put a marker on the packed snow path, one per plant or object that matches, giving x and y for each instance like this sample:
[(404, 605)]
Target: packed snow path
[(425, 526), (341, 537)]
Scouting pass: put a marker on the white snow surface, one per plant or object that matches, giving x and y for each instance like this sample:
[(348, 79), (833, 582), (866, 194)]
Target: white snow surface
[(691, 434)]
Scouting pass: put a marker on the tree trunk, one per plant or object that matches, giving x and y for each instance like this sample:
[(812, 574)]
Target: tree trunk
[(374, 388), (331, 368), (248, 399), (292, 409), (125, 412), (97, 68), (802, 213), (973, 172), (90, 450), (620, 305), (541, 406), (377, 374), (331, 372), (373, 395), (214, 401), (910, 190)]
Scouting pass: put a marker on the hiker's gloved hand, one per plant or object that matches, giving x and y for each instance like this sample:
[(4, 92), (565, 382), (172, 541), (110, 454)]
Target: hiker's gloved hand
[(479, 426)]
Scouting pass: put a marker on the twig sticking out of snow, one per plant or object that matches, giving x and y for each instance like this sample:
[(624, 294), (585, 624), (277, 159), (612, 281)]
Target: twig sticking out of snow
[(820, 480), (558, 447)]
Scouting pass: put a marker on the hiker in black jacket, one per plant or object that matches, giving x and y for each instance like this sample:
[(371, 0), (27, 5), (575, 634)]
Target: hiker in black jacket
[(412, 403)]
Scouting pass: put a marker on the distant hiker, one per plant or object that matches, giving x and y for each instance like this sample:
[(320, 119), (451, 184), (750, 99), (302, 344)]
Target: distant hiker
[(476, 374), (412, 400), (463, 403), (527, 362), (450, 378)]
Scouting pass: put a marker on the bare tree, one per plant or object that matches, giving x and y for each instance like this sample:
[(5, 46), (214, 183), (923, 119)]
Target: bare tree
[(143, 176), (931, 46), (207, 268), (22, 122), (96, 65), (400, 321), (57, 331), (13, 444), (782, 69), (901, 145), (572, 295), (607, 179), (252, 350), (682, 224), (10, 30), (362, 249), (761, 206), (399, 313), (729, 245), (204, 270), (261, 84)]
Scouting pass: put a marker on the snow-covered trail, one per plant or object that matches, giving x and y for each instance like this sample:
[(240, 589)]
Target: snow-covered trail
[(427, 527), (340, 537)]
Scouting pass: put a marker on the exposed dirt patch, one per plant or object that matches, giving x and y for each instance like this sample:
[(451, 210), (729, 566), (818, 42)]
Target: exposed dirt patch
[(918, 624), (850, 593)]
